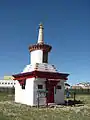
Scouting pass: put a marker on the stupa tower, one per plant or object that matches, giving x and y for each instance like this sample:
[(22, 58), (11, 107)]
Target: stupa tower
[(39, 51), (40, 75)]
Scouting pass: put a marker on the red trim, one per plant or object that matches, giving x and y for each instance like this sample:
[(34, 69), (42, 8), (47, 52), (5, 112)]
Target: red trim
[(44, 47), (22, 78), (40, 74)]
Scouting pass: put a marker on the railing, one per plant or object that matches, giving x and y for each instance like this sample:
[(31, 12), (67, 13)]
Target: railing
[(7, 90), (79, 91)]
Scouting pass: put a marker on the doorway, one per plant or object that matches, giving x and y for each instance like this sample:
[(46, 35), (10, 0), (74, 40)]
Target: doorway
[(50, 87)]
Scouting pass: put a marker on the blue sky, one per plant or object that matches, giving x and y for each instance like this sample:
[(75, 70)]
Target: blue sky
[(67, 29)]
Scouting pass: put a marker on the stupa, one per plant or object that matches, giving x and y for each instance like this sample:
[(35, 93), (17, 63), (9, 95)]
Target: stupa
[(40, 76)]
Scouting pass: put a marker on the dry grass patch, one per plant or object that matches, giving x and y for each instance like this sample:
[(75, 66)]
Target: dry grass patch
[(12, 111)]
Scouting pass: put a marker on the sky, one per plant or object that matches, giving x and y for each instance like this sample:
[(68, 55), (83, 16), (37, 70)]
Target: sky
[(66, 28)]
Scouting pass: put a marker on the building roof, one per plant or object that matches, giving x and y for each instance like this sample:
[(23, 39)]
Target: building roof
[(40, 46), (40, 74), (45, 67)]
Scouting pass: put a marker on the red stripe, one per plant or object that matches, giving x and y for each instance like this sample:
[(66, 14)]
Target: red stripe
[(39, 74)]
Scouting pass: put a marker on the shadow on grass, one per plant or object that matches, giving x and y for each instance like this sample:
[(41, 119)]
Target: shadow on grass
[(67, 103), (72, 102)]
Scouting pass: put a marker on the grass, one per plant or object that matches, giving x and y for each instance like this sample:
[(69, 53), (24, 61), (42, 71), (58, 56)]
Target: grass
[(12, 111)]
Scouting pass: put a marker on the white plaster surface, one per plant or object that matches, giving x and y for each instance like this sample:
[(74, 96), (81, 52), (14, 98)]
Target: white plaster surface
[(25, 96), (59, 95), (36, 56), (29, 94), (42, 98), (40, 67)]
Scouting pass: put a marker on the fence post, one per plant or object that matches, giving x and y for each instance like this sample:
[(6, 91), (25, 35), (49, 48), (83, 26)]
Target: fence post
[(74, 98)]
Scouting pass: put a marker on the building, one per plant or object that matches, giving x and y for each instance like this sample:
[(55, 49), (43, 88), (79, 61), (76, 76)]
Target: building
[(40, 77), (8, 77), (7, 83), (84, 85)]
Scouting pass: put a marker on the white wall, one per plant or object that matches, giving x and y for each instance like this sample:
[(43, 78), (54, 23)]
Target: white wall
[(42, 98), (29, 91), (24, 96), (59, 95), (29, 95), (18, 92), (36, 56)]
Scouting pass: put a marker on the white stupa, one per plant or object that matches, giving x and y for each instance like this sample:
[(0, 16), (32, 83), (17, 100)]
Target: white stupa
[(39, 75)]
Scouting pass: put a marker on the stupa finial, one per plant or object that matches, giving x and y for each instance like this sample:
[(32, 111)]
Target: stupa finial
[(40, 34)]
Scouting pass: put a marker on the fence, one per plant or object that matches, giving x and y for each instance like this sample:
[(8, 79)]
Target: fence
[(79, 91), (7, 90)]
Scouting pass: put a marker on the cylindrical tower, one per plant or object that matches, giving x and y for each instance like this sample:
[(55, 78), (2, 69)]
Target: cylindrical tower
[(39, 51)]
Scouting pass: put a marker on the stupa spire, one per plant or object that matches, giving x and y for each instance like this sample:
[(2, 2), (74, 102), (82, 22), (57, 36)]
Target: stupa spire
[(40, 34)]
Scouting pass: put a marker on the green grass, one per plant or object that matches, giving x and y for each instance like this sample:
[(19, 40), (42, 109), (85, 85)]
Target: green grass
[(12, 111)]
